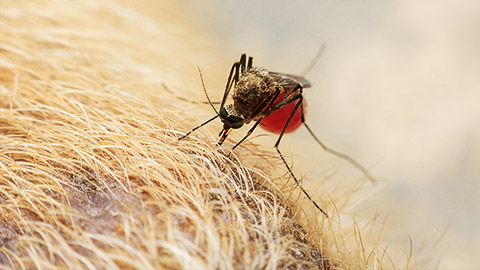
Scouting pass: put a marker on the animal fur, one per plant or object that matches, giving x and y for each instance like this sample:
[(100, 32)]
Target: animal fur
[(92, 175)]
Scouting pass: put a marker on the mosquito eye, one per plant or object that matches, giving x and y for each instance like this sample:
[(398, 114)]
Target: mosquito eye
[(234, 119), (223, 113)]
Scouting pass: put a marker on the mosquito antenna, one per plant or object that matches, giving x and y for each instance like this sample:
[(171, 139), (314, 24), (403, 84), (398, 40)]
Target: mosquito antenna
[(314, 60), (205, 91)]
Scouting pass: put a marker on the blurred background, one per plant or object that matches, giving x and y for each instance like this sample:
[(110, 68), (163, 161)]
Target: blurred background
[(398, 89)]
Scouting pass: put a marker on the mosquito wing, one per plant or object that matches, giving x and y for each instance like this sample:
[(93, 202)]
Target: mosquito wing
[(289, 80)]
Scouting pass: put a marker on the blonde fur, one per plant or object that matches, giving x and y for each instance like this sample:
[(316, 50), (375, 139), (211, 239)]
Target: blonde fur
[(92, 175)]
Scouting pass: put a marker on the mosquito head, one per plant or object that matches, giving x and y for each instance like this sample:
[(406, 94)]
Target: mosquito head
[(231, 117)]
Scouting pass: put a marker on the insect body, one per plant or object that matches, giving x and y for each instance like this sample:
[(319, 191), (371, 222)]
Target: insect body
[(276, 121), (273, 100), (259, 94)]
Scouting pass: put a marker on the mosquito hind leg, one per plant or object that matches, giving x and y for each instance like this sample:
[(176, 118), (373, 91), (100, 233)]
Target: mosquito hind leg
[(299, 98), (338, 154), (296, 181)]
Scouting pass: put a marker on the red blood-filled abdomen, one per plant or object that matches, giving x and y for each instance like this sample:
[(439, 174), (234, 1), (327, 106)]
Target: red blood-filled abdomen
[(276, 121)]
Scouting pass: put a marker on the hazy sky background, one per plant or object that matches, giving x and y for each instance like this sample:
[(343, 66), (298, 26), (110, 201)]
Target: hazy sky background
[(398, 88)]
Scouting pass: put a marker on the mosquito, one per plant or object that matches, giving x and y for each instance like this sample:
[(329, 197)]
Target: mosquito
[(272, 100)]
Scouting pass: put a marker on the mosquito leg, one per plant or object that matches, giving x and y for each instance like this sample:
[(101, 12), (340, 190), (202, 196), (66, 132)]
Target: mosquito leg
[(233, 73), (246, 136), (298, 97), (296, 181), (197, 127), (236, 77), (338, 154), (343, 156), (250, 62), (269, 105), (243, 62), (314, 60)]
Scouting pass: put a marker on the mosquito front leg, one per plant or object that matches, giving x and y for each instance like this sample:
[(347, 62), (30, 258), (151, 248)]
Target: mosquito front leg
[(197, 127)]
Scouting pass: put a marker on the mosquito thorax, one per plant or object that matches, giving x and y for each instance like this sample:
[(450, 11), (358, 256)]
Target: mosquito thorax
[(231, 117), (252, 91)]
